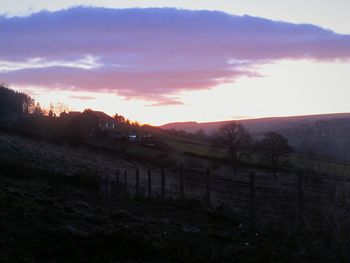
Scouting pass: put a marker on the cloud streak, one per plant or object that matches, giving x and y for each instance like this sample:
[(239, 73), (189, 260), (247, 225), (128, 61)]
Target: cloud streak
[(82, 97), (152, 54), (87, 62)]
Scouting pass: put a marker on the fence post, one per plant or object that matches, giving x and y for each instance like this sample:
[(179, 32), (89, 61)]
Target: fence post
[(163, 181), (149, 181), (107, 186), (126, 180), (117, 182), (252, 199), (137, 182), (118, 172), (182, 192), (208, 187), (103, 185), (99, 183), (113, 186), (300, 199)]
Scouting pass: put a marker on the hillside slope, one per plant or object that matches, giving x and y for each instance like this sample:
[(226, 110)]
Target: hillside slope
[(326, 136), (257, 125), (45, 217)]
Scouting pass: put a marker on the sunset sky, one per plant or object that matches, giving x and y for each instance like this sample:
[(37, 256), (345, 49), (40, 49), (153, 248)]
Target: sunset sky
[(165, 61)]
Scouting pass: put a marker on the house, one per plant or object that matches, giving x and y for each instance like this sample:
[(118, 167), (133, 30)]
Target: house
[(103, 121), (90, 122), (70, 115)]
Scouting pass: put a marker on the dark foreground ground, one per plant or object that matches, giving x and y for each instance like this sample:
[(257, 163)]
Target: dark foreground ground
[(47, 216), (41, 221), (45, 222)]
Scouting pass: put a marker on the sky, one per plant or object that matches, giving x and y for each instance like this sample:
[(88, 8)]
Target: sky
[(168, 61)]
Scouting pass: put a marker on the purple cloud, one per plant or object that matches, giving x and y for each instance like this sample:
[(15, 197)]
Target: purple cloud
[(151, 54)]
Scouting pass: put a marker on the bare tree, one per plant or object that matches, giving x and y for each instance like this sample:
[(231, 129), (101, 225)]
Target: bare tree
[(200, 134), (234, 138), (60, 108), (273, 147), (38, 110)]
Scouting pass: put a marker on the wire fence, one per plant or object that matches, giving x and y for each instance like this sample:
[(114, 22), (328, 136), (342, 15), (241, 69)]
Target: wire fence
[(259, 199)]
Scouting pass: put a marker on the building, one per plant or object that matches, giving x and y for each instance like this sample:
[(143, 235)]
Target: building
[(90, 122), (103, 121)]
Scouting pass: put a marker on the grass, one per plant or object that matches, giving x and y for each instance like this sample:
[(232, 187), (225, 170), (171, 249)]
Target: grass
[(203, 149), (50, 213)]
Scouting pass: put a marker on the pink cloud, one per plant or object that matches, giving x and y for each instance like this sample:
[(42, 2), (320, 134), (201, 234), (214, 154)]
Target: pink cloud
[(82, 97), (152, 54)]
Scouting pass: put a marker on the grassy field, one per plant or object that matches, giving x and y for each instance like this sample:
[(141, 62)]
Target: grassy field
[(46, 216), (204, 149), (59, 158), (321, 166)]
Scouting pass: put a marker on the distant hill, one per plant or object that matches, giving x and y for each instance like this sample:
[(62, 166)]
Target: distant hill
[(324, 135), (258, 125)]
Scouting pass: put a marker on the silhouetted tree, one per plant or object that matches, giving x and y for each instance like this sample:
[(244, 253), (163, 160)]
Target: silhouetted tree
[(51, 114), (182, 133), (119, 118), (51, 111), (234, 138), (38, 110), (274, 146), (14, 102), (59, 108), (200, 134)]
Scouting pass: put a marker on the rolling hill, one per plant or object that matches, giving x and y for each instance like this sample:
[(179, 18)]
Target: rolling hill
[(325, 136), (258, 125)]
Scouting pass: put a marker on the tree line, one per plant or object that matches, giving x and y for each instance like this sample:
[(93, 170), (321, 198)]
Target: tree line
[(235, 142), (14, 102), (239, 143), (20, 113), (232, 138)]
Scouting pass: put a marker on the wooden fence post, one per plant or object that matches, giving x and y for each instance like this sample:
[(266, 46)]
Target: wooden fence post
[(137, 182), (252, 199), (106, 186), (109, 186), (103, 184), (208, 187), (118, 172), (117, 182), (113, 186), (149, 182), (163, 182), (182, 192), (99, 183), (126, 180)]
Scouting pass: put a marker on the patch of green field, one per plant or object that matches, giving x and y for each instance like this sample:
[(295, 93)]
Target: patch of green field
[(203, 149)]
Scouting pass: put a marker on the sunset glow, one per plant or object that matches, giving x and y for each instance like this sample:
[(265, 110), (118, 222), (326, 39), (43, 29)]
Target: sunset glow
[(160, 65)]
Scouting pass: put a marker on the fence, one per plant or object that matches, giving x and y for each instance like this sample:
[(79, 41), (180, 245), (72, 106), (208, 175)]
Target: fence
[(259, 199)]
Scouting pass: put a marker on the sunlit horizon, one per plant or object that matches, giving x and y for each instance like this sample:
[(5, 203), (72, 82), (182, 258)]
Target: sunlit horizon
[(229, 108), (162, 65)]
